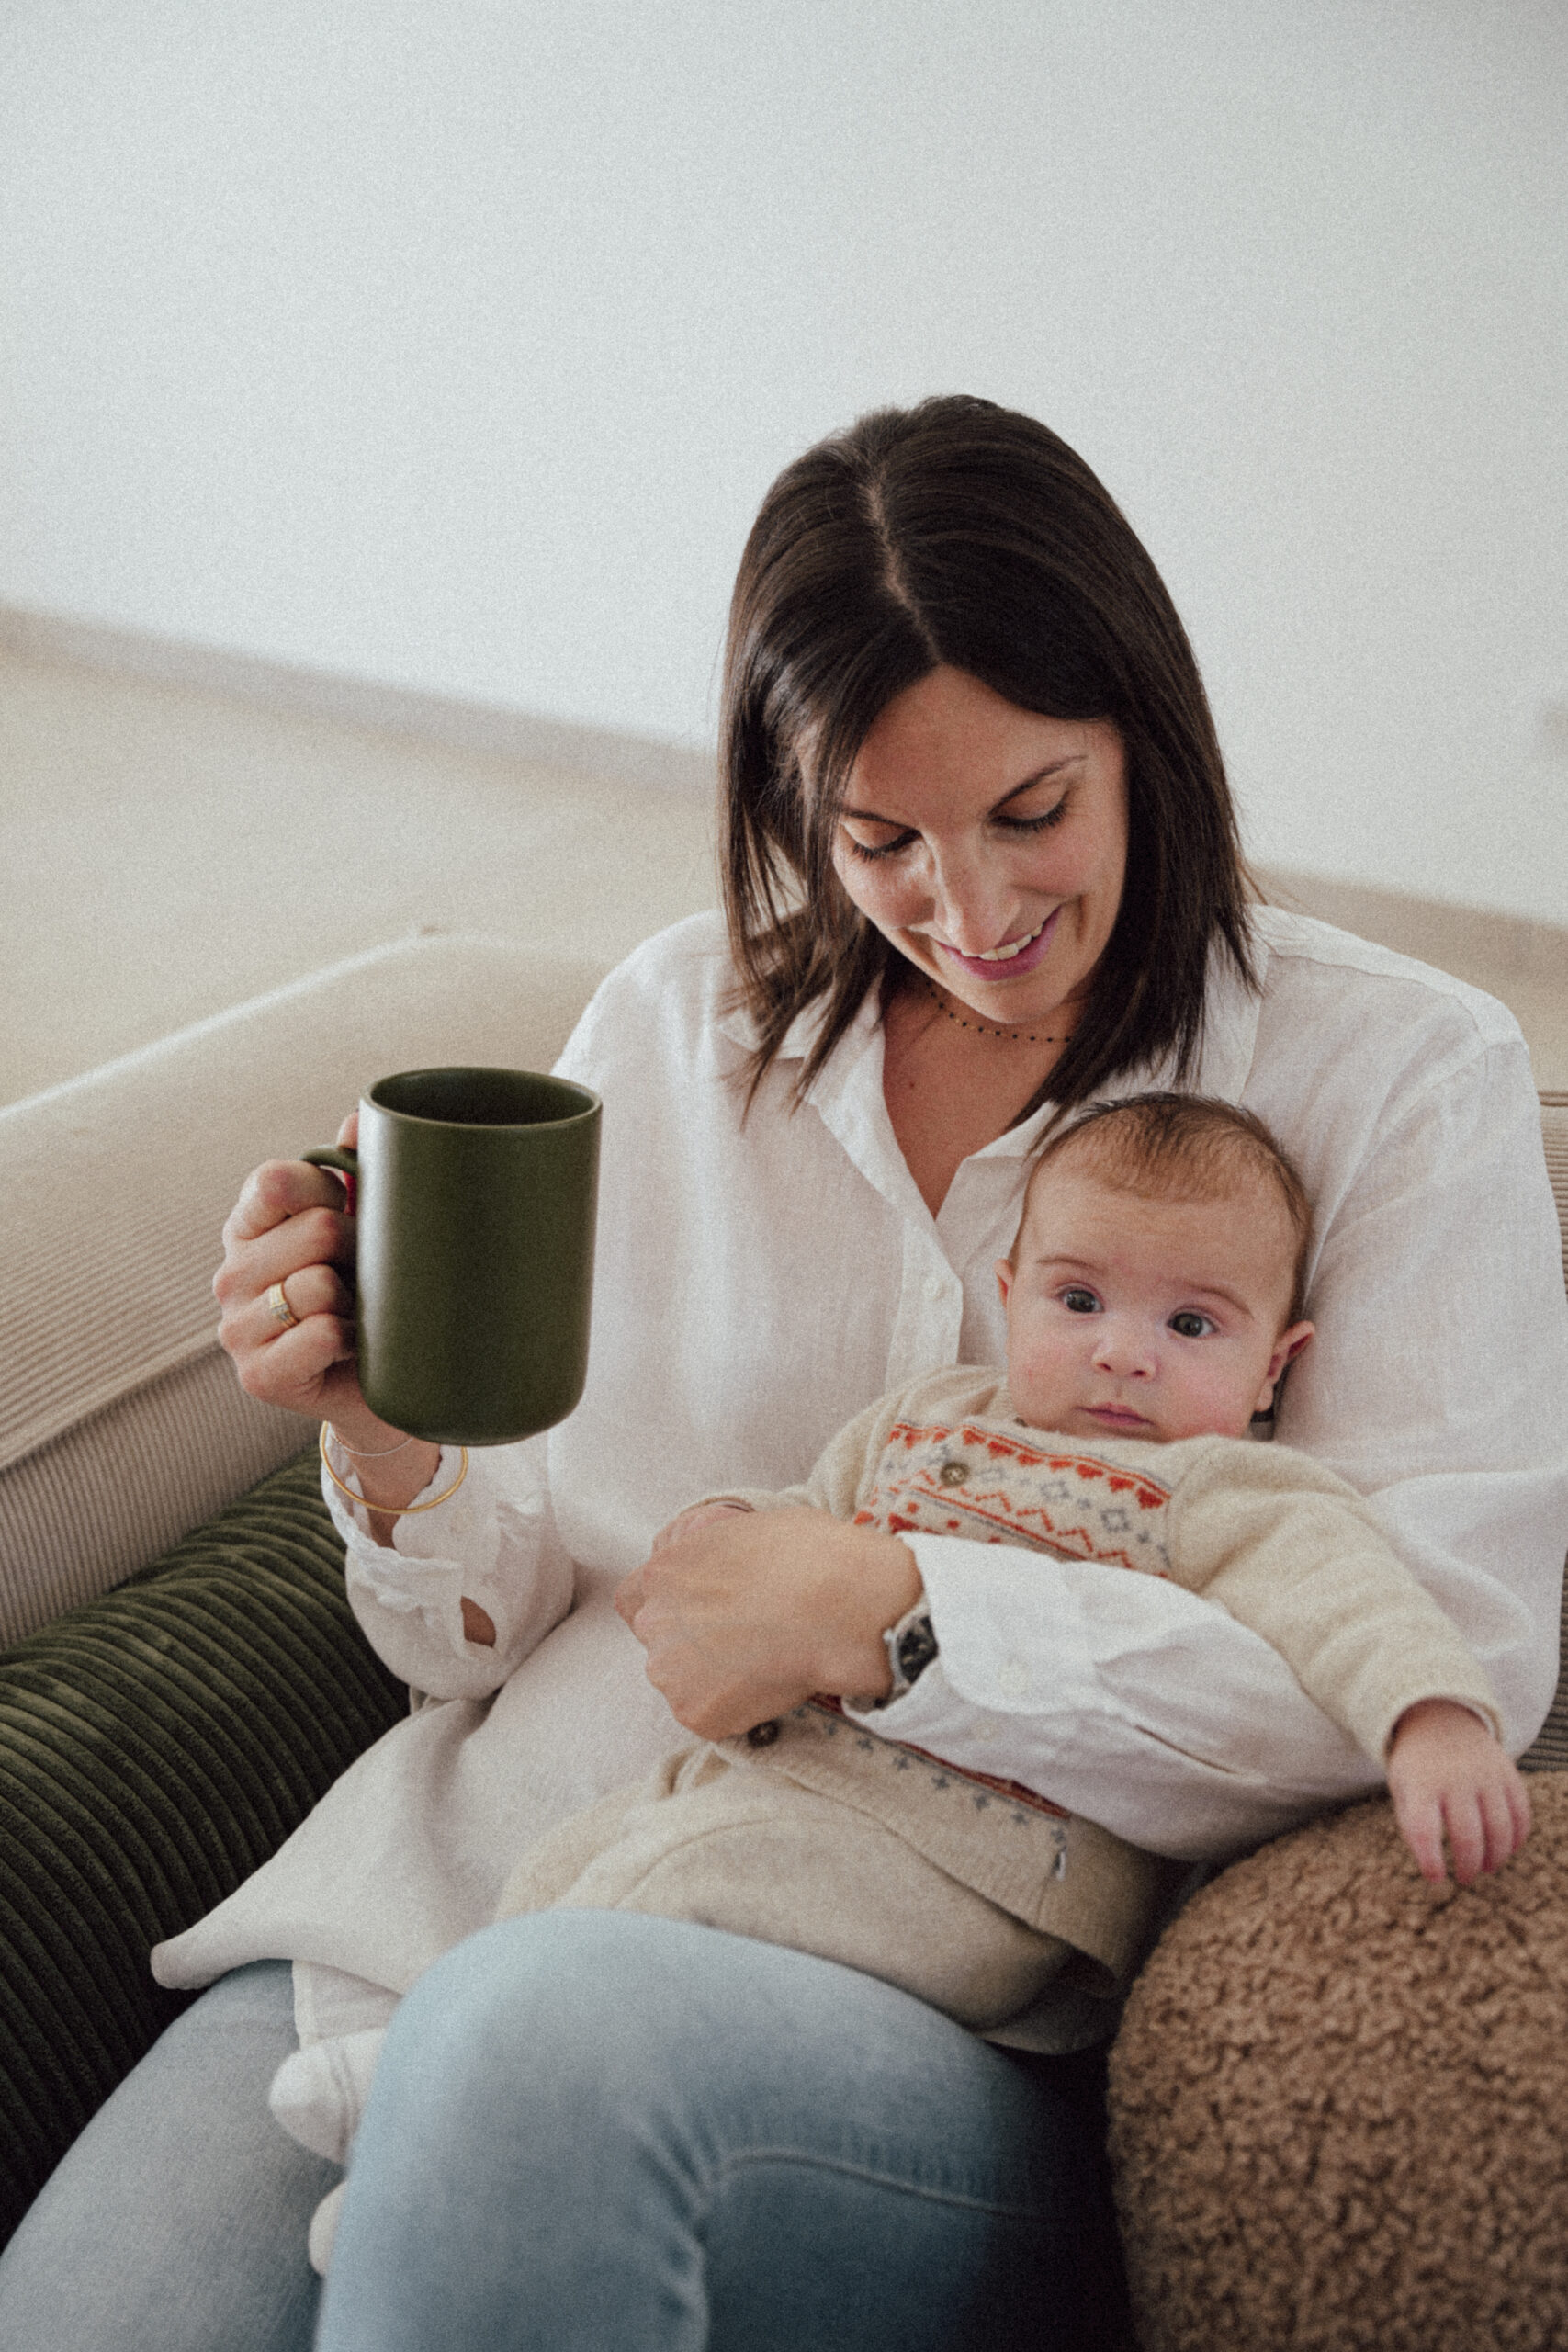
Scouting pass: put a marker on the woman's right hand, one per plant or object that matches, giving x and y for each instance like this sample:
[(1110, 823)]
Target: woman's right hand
[(289, 1226)]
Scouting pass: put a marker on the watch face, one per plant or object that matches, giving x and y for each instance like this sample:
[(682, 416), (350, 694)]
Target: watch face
[(916, 1649)]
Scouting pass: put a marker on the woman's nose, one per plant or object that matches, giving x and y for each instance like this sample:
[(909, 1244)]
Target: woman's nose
[(974, 901)]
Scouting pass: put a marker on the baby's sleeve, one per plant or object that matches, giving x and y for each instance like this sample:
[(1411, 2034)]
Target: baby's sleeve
[(1292, 1552)]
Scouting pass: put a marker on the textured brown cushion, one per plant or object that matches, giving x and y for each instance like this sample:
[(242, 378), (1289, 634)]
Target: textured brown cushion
[(1339, 2099), (155, 1747)]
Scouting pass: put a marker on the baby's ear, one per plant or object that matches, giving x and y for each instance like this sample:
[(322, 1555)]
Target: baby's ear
[(1004, 1277), (1287, 1348)]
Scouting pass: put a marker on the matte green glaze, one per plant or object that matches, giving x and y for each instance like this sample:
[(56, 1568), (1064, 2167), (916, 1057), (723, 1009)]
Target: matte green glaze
[(477, 1196)]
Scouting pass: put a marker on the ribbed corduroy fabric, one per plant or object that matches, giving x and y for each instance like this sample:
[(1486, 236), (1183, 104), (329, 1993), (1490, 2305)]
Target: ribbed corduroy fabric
[(155, 1747), (113, 1493)]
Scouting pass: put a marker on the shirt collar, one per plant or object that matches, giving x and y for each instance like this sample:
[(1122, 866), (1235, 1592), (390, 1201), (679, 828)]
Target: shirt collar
[(1224, 1062)]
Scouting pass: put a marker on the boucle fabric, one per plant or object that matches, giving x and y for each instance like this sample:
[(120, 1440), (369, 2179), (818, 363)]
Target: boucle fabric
[(1338, 2101)]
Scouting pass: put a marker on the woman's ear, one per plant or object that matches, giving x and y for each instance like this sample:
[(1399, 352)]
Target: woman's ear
[(1287, 1348), (1004, 1279)]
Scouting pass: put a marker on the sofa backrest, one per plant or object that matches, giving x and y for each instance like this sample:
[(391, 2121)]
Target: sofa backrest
[(121, 1424)]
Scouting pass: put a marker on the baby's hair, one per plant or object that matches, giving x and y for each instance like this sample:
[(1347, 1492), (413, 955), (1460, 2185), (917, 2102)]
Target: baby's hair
[(1184, 1148)]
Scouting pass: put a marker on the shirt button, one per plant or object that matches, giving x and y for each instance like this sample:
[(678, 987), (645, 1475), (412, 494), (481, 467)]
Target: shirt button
[(935, 1287), (1014, 1677), (953, 1473), (762, 1735)]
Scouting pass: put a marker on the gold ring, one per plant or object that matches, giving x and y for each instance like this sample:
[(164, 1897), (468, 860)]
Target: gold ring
[(281, 1310)]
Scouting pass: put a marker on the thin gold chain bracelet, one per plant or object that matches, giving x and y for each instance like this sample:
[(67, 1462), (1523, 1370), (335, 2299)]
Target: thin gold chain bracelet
[(393, 1511)]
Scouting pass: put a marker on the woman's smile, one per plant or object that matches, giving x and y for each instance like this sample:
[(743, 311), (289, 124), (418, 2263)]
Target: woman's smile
[(1012, 959), (987, 843)]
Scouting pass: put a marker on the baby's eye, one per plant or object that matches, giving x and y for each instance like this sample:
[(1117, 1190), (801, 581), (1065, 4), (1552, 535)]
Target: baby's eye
[(1079, 1301), (1189, 1325)]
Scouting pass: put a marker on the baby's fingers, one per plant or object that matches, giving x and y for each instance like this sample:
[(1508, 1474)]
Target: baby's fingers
[(1468, 1833), (1506, 1811), (1420, 1820)]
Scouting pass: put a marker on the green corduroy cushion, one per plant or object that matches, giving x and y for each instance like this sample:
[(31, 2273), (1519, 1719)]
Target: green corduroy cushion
[(155, 1747)]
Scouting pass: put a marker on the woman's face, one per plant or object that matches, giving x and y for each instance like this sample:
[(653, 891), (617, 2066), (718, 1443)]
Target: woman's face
[(987, 843)]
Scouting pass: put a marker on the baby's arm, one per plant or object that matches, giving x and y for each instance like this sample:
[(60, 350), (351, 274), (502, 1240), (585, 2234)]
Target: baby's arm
[(1294, 1552), (1446, 1772)]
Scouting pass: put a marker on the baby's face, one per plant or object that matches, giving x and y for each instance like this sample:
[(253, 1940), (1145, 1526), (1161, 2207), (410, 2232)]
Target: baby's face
[(1131, 1317)]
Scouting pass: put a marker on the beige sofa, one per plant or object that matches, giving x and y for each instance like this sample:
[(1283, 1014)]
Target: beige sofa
[(121, 1427), (121, 1424)]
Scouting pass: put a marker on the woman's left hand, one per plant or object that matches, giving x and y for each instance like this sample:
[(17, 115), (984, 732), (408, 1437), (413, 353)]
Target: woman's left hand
[(746, 1616)]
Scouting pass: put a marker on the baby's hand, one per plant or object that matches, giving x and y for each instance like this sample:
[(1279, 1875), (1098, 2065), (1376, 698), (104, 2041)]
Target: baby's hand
[(686, 1522), (1446, 1771)]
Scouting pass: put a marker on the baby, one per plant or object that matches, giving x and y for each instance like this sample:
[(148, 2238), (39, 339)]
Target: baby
[(1153, 1302)]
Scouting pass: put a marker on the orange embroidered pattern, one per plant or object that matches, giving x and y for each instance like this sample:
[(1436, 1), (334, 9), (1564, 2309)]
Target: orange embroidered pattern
[(993, 1485)]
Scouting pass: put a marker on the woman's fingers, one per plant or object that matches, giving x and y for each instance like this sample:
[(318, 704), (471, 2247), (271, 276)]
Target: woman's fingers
[(277, 1191), (305, 1292), (286, 1237), (747, 1615), (314, 1237)]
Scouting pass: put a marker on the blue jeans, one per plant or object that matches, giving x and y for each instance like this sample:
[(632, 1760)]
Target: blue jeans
[(177, 2223), (601, 2128), (589, 2130)]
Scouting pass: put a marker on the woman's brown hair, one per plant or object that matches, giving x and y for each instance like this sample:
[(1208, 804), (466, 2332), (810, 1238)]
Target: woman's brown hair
[(962, 533)]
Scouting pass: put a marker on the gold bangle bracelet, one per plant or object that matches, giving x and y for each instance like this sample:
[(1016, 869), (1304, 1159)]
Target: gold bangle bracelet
[(393, 1510)]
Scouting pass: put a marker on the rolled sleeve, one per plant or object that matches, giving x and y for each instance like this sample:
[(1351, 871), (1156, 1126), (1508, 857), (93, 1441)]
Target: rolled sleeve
[(1121, 1697), (493, 1544)]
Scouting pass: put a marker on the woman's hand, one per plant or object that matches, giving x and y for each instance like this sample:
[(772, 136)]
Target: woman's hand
[(747, 1615), (289, 1226), (687, 1522)]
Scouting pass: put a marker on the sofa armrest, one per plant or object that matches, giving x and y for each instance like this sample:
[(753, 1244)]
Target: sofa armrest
[(156, 1747)]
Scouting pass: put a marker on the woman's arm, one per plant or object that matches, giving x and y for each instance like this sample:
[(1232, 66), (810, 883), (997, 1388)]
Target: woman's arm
[(450, 1600), (1437, 1387), (1149, 1710), (464, 1593)]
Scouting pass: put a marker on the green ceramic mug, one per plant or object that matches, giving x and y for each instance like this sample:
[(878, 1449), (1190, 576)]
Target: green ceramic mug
[(476, 1199)]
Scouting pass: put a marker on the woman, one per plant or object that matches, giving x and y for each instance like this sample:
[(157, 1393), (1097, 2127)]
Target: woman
[(981, 865)]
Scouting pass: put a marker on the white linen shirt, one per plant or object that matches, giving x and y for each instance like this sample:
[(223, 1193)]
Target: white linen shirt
[(761, 1280)]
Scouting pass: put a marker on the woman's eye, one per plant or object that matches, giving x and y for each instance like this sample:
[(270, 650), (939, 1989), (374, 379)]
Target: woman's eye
[(1035, 824), (1080, 1302), (1188, 1324), (873, 850)]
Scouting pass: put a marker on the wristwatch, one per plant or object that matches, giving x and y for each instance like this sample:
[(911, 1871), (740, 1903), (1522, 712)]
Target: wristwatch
[(910, 1645)]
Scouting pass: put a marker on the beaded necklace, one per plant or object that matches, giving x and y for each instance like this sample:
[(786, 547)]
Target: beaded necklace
[(983, 1029)]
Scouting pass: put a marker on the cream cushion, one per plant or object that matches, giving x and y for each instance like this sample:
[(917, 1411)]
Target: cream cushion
[(122, 1425)]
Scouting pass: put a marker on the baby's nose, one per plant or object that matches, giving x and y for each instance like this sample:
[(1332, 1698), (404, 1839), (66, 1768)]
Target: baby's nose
[(1122, 1349)]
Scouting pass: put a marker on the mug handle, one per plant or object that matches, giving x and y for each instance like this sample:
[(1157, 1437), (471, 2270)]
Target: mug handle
[(344, 1161)]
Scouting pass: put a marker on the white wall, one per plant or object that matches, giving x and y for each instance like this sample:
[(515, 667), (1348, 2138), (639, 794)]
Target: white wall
[(453, 341)]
